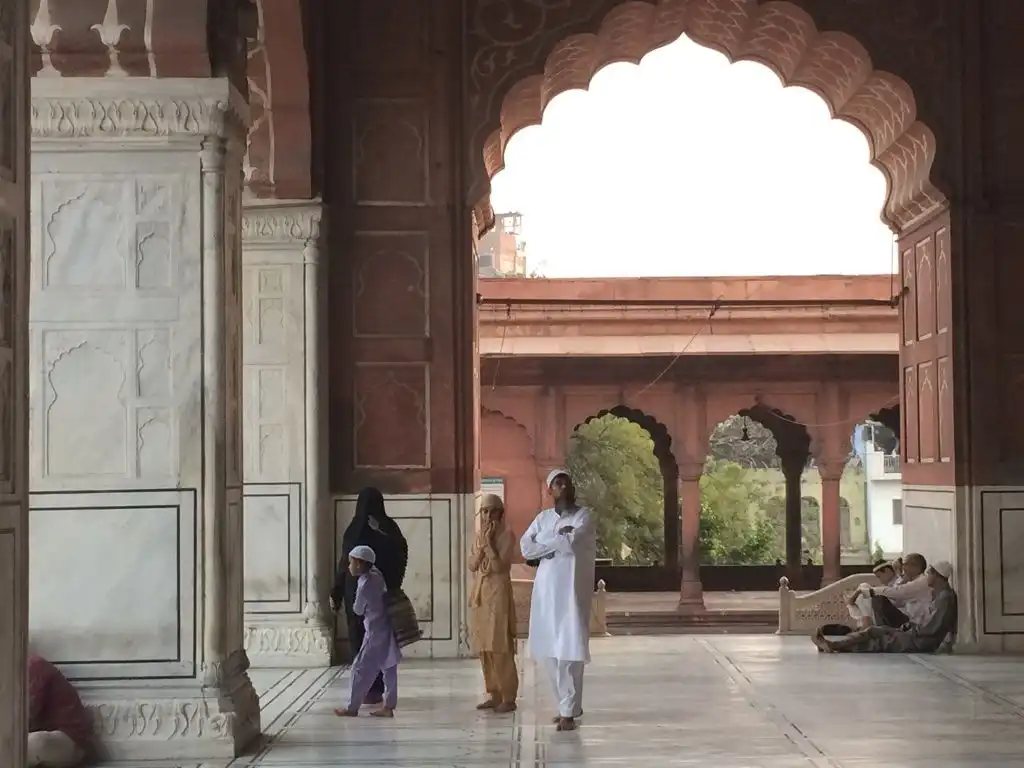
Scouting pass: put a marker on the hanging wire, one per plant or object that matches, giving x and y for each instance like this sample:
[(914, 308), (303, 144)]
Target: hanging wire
[(501, 345), (681, 352)]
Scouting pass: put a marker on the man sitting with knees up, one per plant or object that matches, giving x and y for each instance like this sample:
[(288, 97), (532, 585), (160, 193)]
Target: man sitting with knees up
[(60, 728), (924, 637), (909, 602)]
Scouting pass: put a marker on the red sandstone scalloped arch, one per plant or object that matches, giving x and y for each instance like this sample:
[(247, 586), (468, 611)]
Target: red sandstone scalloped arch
[(490, 410), (778, 35)]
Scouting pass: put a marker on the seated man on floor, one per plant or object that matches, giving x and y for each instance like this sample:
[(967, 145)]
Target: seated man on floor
[(924, 637), (859, 603), (60, 727), (909, 602)]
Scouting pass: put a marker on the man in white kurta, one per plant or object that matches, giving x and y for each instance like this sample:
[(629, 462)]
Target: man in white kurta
[(564, 540)]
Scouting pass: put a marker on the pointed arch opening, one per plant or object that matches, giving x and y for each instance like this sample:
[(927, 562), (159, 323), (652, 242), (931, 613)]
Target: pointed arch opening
[(616, 456), (779, 35)]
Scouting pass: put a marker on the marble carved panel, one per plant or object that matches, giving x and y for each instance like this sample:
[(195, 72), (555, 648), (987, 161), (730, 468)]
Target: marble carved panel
[(273, 372), (115, 328)]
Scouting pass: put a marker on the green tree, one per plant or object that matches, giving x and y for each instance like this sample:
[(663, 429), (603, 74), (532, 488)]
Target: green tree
[(735, 526), (618, 476)]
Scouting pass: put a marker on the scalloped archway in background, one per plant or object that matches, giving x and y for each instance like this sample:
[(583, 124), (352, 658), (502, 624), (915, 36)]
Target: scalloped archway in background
[(662, 440), (780, 36)]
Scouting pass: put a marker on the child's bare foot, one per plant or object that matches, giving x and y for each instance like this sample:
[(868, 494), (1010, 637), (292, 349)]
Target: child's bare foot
[(383, 712), (344, 712), (566, 724), (505, 706), (489, 704)]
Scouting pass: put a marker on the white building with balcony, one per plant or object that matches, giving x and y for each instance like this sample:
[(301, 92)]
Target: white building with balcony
[(883, 489)]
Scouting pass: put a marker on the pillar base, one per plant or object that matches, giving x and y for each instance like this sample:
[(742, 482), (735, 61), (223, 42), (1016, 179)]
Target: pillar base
[(171, 719), (691, 598), (289, 642), (691, 606)]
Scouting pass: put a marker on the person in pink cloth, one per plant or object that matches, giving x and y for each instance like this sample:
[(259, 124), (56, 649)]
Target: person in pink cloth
[(60, 728)]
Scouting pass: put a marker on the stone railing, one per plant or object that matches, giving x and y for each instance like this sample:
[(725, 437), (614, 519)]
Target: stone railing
[(802, 614), (522, 594)]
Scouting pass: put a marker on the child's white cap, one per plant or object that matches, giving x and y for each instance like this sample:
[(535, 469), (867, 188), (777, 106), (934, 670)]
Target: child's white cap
[(364, 553)]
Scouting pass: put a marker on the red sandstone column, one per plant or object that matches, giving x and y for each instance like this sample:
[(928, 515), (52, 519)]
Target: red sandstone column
[(830, 541), (793, 469), (691, 593)]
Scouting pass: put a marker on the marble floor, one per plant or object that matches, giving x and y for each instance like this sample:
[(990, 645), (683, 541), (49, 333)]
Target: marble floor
[(726, 701)]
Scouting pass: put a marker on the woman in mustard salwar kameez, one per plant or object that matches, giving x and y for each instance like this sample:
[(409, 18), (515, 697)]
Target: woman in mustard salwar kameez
[(492, 617)]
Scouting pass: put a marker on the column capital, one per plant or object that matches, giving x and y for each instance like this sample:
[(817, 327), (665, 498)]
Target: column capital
[(690, 471), (793, 462), (831, 470)]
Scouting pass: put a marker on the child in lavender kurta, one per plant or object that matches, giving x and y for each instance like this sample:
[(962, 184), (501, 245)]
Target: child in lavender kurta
[(379, 652)]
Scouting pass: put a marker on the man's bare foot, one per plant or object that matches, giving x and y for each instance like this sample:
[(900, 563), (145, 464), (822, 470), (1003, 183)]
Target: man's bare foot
[(343, 712), (489, 704), (822, 644), (383, 712), (566, 724), (505, 707)]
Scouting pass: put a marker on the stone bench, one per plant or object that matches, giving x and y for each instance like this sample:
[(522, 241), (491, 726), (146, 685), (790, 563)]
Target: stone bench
[(522, 594), (802, 614)]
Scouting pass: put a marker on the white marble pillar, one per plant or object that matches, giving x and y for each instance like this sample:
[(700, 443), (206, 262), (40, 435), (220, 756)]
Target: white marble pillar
[(135, 425), (14, 266), (288, 527)]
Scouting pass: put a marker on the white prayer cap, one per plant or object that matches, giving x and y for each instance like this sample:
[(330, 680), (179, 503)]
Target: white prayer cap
[(943, 568), (555, 473), (364, 553)]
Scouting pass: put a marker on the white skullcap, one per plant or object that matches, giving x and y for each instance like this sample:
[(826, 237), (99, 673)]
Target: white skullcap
[(555, 473), (943, 568), (364, 553)]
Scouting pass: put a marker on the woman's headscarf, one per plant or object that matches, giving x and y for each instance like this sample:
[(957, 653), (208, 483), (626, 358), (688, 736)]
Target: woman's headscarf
[(389, 543), (501, 530)]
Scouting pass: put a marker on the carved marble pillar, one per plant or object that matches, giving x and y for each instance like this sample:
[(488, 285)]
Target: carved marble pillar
[(135, 425), (288, 527), (691, 593), (831, 550), (14, 286)]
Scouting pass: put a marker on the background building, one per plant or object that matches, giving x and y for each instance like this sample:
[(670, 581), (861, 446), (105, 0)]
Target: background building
[(502, 251), (879, 450)]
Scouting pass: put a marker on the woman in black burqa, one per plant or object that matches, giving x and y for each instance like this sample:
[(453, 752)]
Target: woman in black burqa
[(371, 527)]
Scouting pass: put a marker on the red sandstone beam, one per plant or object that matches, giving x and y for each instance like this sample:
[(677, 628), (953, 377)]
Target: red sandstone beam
[(816, 288)]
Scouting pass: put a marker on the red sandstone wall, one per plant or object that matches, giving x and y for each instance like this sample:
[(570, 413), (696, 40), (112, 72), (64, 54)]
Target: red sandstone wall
[(507, 452)]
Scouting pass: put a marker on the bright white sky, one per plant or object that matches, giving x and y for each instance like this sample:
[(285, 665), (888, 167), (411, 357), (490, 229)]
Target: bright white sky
[(689, 165)]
